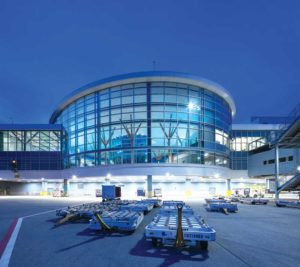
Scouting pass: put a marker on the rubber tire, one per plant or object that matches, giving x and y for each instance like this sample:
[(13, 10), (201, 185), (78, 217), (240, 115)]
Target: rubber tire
[(154, 242), (203, 245)]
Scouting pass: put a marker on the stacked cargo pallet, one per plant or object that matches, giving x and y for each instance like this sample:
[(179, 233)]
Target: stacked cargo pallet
[(164, 227)]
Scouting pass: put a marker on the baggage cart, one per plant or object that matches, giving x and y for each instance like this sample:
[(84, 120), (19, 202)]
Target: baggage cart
[(288, 204), (222, 207), (156, 202), (125, 220), (163, 230), (165, 210), (138, 207), (254, 201)]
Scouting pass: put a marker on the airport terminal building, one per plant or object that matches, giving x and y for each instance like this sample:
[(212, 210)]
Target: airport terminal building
[(149, 130)]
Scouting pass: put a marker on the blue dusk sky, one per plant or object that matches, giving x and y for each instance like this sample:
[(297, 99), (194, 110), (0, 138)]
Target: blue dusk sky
[(50, 48)]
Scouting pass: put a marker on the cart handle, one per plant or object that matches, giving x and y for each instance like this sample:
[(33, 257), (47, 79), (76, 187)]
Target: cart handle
[(179, 206)]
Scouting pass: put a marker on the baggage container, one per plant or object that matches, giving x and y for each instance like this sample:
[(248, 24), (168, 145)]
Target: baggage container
[(110, 192), (141, 192)]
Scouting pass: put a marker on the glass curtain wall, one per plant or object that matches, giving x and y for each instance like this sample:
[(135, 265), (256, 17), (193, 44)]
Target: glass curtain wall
[(158, 122), (243, 141), (30, 141)]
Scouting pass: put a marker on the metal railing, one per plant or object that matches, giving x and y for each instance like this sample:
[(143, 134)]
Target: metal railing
[(286, 178)]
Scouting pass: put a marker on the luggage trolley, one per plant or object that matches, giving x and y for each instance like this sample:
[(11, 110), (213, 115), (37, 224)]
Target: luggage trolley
[(191, 230), (254, 201), (127, 221), (222, 206)]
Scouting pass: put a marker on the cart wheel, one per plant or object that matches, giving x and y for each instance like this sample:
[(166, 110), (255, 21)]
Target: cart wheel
[(154, 242), (203, 245)]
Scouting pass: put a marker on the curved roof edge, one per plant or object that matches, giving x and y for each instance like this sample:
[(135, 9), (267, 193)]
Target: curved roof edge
[(147, 76)]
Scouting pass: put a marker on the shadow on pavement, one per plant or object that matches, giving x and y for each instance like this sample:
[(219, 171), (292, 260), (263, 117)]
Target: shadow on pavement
[(56, 220), (97, 235), (171, 255)]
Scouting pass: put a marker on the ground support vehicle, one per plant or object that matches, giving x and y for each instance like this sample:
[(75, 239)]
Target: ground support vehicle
[(125, 220), (288, 204), (254, 201), (163, 230)]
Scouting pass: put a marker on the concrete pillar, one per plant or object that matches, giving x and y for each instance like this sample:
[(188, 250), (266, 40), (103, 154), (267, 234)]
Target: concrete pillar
[(228, 183), (276, 172), (44, 188), (149, 185), (44, 185), (66, 187)]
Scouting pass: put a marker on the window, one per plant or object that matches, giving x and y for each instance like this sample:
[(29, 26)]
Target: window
[(282, 160), (290, 158)]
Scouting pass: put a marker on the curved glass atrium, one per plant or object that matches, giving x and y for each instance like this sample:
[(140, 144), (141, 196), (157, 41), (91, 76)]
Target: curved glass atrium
[(148, 122)]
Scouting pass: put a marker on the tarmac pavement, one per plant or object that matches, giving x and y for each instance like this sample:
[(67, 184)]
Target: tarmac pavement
[(255, 236)]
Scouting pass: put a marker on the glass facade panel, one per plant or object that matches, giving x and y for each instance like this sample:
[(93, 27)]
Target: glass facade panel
[(243, 141), (179, 124), (30, 149), (30, 141)]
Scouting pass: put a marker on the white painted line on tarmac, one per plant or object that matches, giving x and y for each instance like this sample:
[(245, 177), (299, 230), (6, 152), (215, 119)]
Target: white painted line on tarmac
[(4, 261), (40, 213)]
